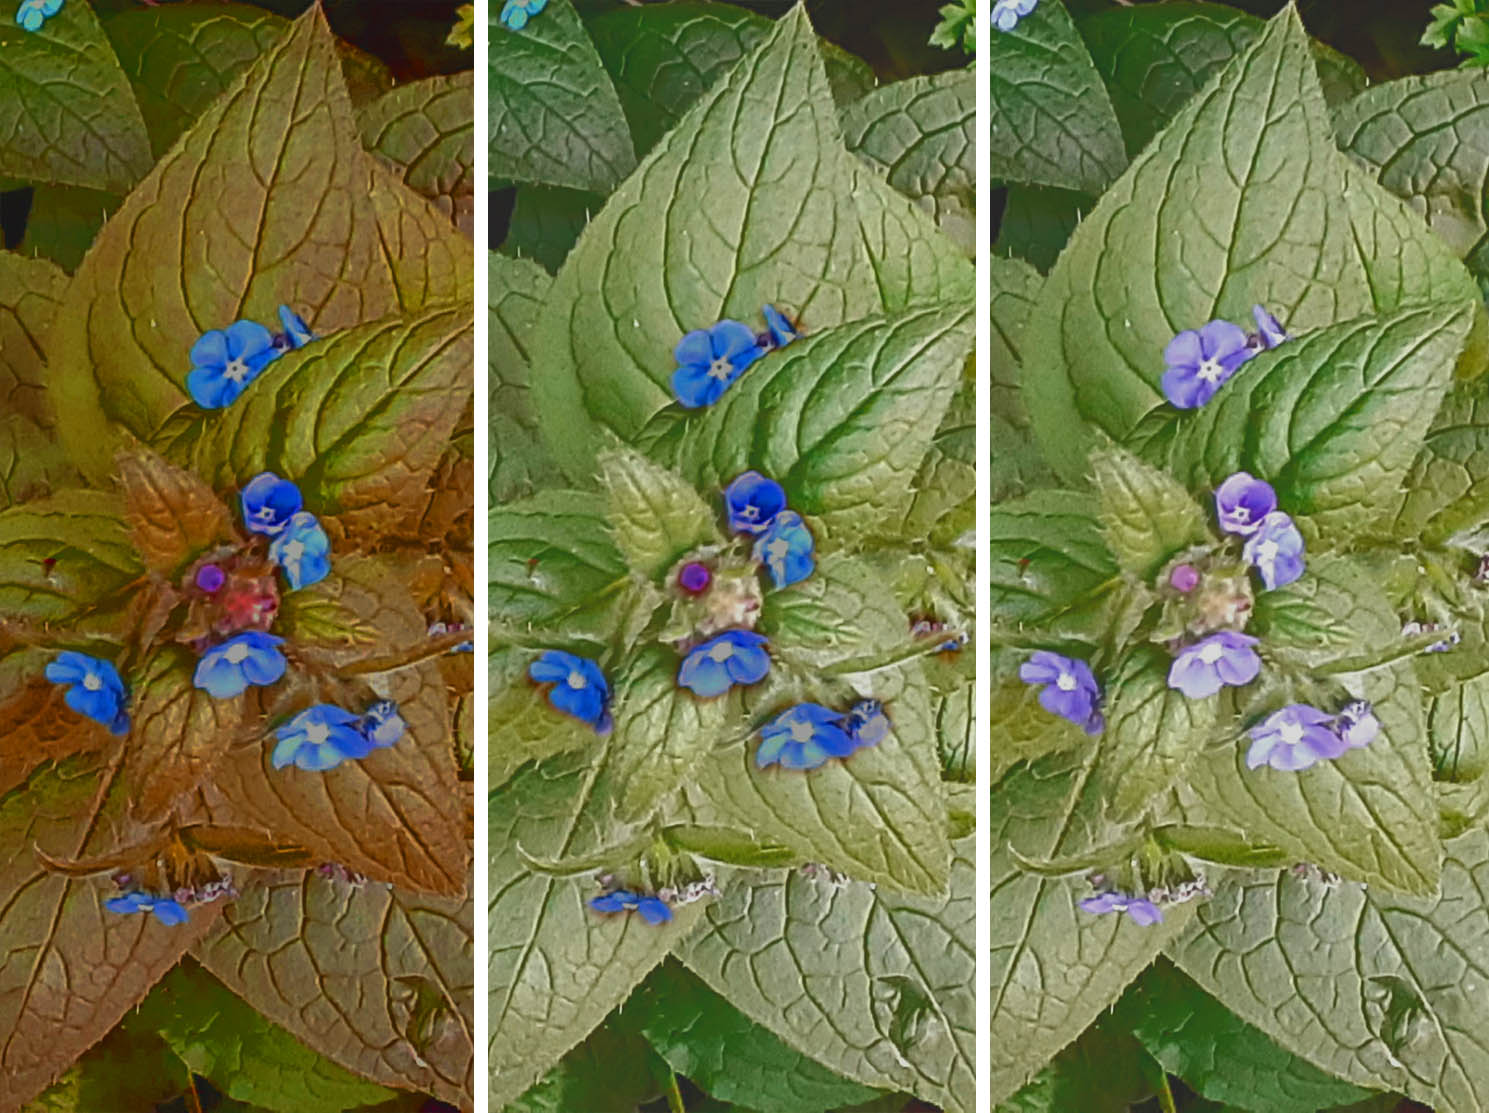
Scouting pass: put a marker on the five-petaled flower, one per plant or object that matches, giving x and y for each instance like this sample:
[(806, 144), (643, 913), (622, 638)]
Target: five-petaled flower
[(516, 13), (296, 333), (1199, 362), (752, 501), (167, 911), (224, 362), (709, 360), (867, 723), (1294, 737), (94, 688), (803, 737), (1142, 912), (734, 657), (382, 724), (1069, 688), (778, 330), (33, 13), (319, 738), (302, 550), (1242, 501), (253, 657), (785, 548), (1202, 669), (269, 503), (579, 687), (653, 910), (1276, 550), (1007, 13), (1269, 333)]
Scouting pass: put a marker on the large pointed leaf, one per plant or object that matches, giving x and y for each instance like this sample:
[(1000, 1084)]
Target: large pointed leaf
[(655, 516), (426, 130), (375, 979), (517, 456), (61, 556), (31, 456), (173, 515), (911, 260)]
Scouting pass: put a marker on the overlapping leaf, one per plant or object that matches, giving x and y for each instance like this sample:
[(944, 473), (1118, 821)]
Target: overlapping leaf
[(426, 130), (31, 460), (61, 556)]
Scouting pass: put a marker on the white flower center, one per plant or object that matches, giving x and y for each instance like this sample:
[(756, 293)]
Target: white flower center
[(720, 369), (721, 652), (236, 654), (1290, 732), (1266, 552), (236, 370), (1211, 652), (1211, 370), (1241, 514), (92, 682), (293, 552), (1066, 682), (317, 733), (777, 549), (576, 680), (264, 513), (750, 512), (801, 731)]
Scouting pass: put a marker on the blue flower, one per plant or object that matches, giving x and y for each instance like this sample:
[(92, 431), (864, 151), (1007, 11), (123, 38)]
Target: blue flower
[(319, 738), (803, 737), (382, 724), (867, 723), (228, 669), (1242, 501), (1144, 913), (33, 13), (785, 548), (1202, 669), (734, 657), (752, 502), (1276, 550), (1007, 13), (1269, 333), (579, 687), (1294, 737), (1199, 362), (709, 360), (303, 550), (1069, 688), (224, 363), (516, 13), (779, 331), (269, 503), (653, 910), (95, 689), (166, 910), (1357, 724), (296, 332)]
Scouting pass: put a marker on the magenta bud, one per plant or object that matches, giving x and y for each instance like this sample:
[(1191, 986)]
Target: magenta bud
[(210, 578), (1184, 578), (694, 577)]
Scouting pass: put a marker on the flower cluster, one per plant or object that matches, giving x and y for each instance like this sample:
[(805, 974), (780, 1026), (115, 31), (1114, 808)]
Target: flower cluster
[(33, 13), (1069, 688), (1007, 13), (323, 736), (806, 735), (710, 360), (783, 543), (94, 689), (1201, 361), (652, 909), (225, 361), (298, 543), (1298, 736), (579, 687), (1247, 506), (516, 13)]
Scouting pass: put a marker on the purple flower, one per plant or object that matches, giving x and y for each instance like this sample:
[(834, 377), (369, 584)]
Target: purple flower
[(1242, 501), (1269, 334), (1070, 689), (694, 577), (1202, 669), (1357, 725), (803, 737), (1007, 13), (210, 578), (734, 657), (226, 670), (1276, 550), (653, 910), (1199, 362), (319, 738), (167, 911), (579, 687), (752, 502), (1184, 578), (1144, 913), (709, 360), (269, 503), (1294, 738), (785, 548)]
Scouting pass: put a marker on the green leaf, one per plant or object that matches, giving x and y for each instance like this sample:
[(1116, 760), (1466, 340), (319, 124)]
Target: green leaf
[(426, 130), (655, 516), (1017, 464), (1335, 611), (1146, 515), (245, 1056), (1218, 1054), (919, 133), (1370, 815), (878, 987), (557, 968), (378, 980), (827, 418), (519, 462), (730, 1057), (1458, 731), (680, 246), (69, 116), (1371, 987), (1048, 559), (1023, 731), (612, 1068), (61, 556), (32, 461), (549, 555), (63, 223), (1037, 223), (1249, 207), (912, 261), (1104, 1071), (839, 613), (128, 1069), (1052, 122), (546, 222), (1333, 419), (522, 726), (555, 119), (302, 231), (1446, 494)]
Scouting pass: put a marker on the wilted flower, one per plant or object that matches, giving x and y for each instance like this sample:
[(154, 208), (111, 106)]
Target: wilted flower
[(1007, 13), (94, 688), (752, 502), (785, 548), (1199, 362), (709, 360), (224, 362), (1242, 501), (867, 723), (1276, 550), (382, 724), (269, 503), (653, 910), (303, 550), (296, 332), (1356, 724), (803, 737), (320, 738), (579, 687), (734, 657), (167, 911), (1069, 688), (226, 670), (516, 13), (1142, 912), (1269, 333), (779, 331), (1202, 669)]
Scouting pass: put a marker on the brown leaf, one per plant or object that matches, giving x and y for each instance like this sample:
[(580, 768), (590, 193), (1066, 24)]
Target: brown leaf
[(69, 969), (36, 727), (173, 516), (32, 461), (378, 980), (179, 734), (246, 846)]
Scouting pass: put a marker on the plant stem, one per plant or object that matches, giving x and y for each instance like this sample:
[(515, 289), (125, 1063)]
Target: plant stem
[(674, 1095), (193, 1099), (1165, 1095), (434, 647)]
